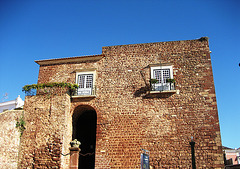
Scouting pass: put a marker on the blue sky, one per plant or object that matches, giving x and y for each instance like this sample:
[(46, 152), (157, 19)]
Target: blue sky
[(44, 29)]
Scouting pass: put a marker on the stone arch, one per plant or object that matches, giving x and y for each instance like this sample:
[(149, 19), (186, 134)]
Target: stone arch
[(84, 123)]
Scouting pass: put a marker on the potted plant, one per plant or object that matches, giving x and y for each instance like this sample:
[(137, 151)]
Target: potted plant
[(152, 83), (75, 143), (171, 81)]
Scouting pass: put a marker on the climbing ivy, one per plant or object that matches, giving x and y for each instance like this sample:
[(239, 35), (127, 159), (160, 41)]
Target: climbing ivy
[(21, 125)]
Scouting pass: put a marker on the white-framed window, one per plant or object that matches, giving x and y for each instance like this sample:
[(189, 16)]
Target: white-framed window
[(161, 74), (86, 83)]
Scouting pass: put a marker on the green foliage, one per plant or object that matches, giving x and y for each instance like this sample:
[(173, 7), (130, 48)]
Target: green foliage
[(21, 125), (203, 39), (70, 86), (170, 80), (153, 81)]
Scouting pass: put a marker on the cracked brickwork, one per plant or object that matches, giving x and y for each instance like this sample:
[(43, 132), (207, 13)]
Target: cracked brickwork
[(128, 117)]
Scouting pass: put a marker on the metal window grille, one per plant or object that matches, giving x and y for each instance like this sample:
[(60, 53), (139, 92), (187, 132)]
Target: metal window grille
[(166, 74), (81, 80), (85, 81), (157, 75), (161, 75), (89, 81)]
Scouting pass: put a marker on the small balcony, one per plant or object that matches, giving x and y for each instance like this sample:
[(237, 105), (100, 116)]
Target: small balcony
[(84, 92), (162, 88)]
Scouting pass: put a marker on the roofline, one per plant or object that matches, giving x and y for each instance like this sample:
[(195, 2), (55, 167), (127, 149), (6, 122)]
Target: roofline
[(204, 38), (69, 59), (98, 57), (232, 150), (8, 103)]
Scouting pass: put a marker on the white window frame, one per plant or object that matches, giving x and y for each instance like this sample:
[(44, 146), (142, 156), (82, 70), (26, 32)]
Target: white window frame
[(161, 86), (86, 91)]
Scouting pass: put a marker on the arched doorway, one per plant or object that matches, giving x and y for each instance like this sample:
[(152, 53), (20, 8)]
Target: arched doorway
[(84, 130)]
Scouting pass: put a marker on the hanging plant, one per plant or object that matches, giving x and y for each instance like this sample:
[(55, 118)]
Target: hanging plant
[(31, 90), (71, 86)]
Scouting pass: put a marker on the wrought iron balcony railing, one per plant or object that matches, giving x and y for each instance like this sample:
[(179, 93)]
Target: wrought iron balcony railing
[(85, 91), (162, 86)]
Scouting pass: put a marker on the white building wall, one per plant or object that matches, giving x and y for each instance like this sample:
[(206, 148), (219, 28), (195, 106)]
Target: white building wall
[(11, 105)]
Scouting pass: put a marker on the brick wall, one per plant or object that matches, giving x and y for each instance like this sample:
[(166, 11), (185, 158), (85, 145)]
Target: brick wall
[(10, 139), (128, 118), (161, 124)]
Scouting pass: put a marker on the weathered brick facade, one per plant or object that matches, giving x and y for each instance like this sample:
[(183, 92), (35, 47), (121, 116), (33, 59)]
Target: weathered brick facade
[(129, 117), (47, 129)]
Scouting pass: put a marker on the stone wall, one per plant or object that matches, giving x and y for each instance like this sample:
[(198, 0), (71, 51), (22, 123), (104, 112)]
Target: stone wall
[(10, 139), (46, 137), (129, 118)]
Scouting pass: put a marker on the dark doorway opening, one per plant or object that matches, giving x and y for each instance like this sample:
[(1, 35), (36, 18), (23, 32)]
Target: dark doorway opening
[(84, 130)]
